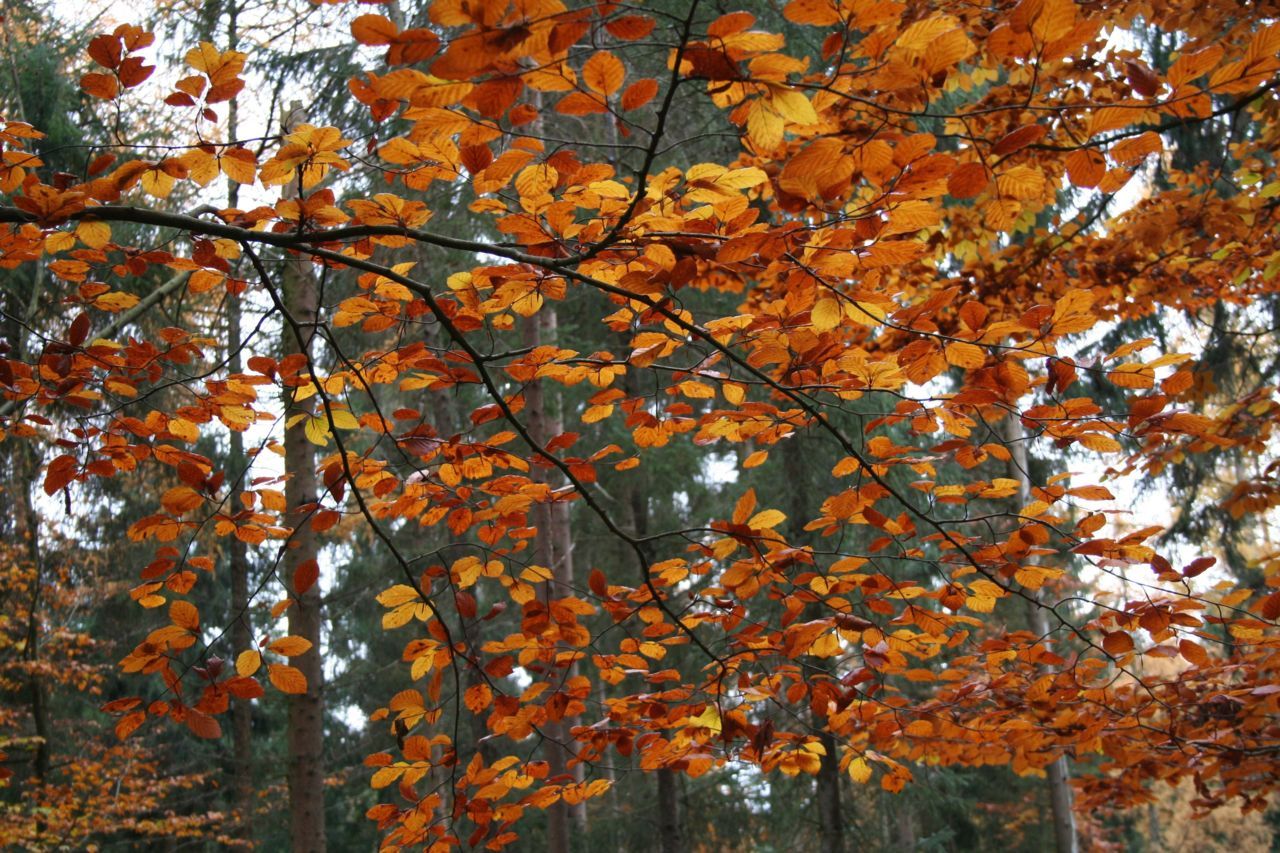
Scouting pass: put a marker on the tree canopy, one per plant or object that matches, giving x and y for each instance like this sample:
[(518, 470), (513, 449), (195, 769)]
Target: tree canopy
[(498, 405)]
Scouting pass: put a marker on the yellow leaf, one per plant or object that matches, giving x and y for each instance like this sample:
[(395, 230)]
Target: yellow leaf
[(764, 125), (793, 106), (968, 356), (766, 519), (397, 595), (248, 662), (1021, 182), (115, 301), (1100, 443), (708, 719), (157, 183), (94, 234), (343, 419), (239, 164), (826, 314), (317, 430), (918, 37), (468, 571), (385, 776)]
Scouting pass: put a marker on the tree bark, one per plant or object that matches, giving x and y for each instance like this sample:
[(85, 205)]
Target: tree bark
[(27, 528), (827, 783), (241, 629), (1061, 797), (670, 825), (543, 427), (24, 467), (306, 710), (670, 837)]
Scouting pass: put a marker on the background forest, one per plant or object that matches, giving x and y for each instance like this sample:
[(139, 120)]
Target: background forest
[(88, 763)]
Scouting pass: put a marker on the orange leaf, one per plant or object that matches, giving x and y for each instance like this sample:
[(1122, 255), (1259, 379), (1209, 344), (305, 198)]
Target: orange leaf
[(185, 615), (1117, 643), (100, 85), (287, 679), (604, 73), (1086, 168), (639, 93), (968, 180), (180, 500), (478, 697), (290, 646), (1193, 652), (630, 27), (129, 723), (1019, 139), (373, 30)]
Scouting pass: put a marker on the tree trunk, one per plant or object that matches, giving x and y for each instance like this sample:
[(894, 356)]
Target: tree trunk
[(827, 783), (27, 528), (24, 467), (306, 710), (241, 629), (830, 817), (543, 427), (670, 838), (906, 829), (670, 830), (1061, 797)]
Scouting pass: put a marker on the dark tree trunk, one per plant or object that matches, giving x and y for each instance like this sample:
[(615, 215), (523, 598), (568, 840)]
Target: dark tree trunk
[(827, 784)]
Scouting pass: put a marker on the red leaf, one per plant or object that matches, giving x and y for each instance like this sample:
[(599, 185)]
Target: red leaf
[(1271, 606), (1019, 139), (61, 471), (203, 725), (305, 576), (79, 329), (1198, 566)]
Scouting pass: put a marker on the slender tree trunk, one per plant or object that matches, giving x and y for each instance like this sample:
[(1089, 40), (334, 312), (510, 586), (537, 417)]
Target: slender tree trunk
[(562, 561), (670, 828), (906, 830), (827, 784), (306, 710), (1061, 797), (542, 428), (24, 466), (241, 629), (27, 528)]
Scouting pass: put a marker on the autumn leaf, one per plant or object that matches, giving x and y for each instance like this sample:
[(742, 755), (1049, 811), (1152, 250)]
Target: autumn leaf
[(286, 679)]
